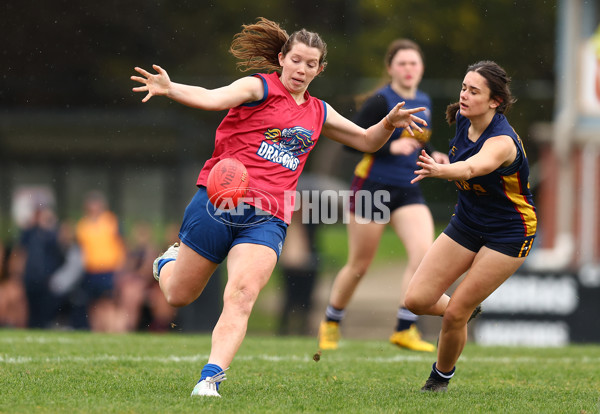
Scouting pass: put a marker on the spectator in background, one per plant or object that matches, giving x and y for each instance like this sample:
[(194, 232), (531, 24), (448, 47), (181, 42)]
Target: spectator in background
[(299, 261), (141, 301), (299, 267), (65, 278), (41, 253), (99, 237), (13, 304)]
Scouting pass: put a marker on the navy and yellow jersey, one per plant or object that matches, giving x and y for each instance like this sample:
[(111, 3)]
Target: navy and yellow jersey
[(381, 166), (498, 205)]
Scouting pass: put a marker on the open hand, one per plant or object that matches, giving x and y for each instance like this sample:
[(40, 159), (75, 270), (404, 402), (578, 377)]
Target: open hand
[(429, 168), (153, 84), (404, 118)]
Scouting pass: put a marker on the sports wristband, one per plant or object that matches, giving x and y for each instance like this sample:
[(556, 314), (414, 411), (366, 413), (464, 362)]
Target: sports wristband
[(387, 124)]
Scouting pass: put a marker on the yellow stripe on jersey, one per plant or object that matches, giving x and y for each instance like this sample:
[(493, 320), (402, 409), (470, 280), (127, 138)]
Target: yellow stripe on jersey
[(364, 166), (512, 189)]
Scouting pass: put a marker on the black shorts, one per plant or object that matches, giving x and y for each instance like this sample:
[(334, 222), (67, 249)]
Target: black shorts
[(519, 248), (376, 201)]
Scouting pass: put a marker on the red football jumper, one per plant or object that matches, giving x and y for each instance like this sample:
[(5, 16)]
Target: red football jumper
[(272, 138)]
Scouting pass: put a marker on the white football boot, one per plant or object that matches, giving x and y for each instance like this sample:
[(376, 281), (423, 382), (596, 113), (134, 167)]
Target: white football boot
[(208, 386), (170, 253)]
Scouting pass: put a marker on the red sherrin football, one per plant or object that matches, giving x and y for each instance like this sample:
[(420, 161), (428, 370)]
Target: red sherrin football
[(227, 183)]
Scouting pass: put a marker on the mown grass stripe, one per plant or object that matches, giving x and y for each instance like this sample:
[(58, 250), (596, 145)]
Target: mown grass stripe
[(19, 359)]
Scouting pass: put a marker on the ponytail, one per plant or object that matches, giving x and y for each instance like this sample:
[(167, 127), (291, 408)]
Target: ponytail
[(258, 45), (451, 111)]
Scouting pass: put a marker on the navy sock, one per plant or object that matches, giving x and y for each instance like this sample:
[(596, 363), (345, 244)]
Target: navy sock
[(334, 315), (405, 319), (210, 370), (441, 376)]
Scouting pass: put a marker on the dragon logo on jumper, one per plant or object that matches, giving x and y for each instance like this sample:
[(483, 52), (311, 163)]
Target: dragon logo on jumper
[(285, 146)]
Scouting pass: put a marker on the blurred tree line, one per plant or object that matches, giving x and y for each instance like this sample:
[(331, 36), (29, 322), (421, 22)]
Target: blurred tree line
[(63, 56)]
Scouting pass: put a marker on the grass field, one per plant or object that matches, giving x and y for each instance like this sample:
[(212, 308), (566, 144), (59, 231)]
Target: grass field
[(77, 372)]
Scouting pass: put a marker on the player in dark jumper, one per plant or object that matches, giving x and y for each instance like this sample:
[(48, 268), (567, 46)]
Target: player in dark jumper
[(390, 170), (494, 222)]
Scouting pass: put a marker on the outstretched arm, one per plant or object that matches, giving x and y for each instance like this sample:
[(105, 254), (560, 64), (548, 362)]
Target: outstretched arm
[(371, 139), (243, 90), (497, 152)]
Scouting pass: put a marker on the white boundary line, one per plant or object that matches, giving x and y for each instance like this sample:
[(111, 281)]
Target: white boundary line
[(21, 359)]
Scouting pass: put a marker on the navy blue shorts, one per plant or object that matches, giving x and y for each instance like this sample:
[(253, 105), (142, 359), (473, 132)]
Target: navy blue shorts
[(372, 200), (98, 285), (212, 233), (473, 242)]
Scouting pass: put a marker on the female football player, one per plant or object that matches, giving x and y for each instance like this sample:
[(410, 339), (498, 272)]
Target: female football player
[(272, 125), (389, 169), (494, 222)]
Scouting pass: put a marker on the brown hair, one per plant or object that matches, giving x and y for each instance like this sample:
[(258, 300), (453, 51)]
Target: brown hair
[(393, 48), (401, 44), (498, 82), (258, 45)]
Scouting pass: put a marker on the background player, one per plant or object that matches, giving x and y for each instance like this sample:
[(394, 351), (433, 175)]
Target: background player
[(389, 169)]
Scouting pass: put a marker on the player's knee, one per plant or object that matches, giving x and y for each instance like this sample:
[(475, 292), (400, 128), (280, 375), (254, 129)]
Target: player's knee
[(453, 316), (414, 304), (178, 298), (242, 299), (358, 270)]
